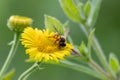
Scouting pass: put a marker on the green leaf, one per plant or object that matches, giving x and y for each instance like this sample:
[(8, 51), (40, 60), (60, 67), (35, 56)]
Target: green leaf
[(95, 7), (90, 38), (71, 10), (87, 8), (80, 6), (51, 23), (9, 75), (114, 62), (81, 10), (66, 24)]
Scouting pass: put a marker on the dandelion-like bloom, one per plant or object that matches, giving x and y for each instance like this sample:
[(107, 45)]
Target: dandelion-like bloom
[(42, 46)]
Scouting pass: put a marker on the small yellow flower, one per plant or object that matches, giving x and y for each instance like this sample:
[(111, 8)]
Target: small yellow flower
[(41, 46), (18, 23)]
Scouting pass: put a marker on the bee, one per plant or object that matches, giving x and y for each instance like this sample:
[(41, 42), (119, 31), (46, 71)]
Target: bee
[(61, 39)]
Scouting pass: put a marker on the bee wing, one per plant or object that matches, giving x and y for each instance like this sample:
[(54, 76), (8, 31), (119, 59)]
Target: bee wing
[(66, 33), (56, 30)]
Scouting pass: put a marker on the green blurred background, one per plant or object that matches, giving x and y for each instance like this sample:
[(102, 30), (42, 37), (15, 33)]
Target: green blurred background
[(107, 31)]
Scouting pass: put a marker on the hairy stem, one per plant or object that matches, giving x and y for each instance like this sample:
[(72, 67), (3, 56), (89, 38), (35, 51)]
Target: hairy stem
[(95, 66), (83, 69), (98, 50), (10, 55), (26, 73), (98, 68)]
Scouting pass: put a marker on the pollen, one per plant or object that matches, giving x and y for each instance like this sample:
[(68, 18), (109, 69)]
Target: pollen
[(40, 46)]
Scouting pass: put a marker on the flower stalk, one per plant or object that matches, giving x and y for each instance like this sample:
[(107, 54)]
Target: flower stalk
[(30, 70), (10, 55)]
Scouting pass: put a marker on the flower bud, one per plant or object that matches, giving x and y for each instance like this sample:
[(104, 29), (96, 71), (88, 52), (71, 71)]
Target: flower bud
[(84, 52), (18, 23), (114, 62), (83, 49)]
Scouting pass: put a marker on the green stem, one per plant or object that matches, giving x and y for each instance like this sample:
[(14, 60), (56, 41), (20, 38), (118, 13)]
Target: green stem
[(95, 66), (98, 68), (25, 74), (84, 69), (98, 50), (10, 55), (86, 28)]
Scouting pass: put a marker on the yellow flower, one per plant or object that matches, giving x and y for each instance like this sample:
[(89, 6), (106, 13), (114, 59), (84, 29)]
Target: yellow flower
[(43, 46)]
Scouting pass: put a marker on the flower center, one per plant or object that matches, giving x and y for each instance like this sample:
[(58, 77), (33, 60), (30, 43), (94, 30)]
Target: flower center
[(48, 45)]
